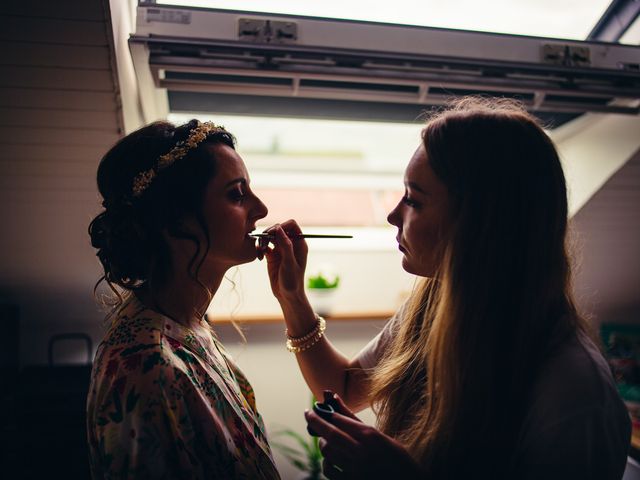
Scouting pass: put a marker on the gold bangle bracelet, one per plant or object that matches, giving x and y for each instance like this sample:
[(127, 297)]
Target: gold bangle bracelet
[(308, 335), (310, 342)]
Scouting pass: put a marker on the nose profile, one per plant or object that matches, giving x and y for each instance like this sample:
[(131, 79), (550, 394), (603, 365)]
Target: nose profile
[(392, 218), (261, 209)]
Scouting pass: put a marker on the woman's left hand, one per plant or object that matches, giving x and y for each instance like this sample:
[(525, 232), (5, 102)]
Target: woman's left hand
[(354, 450)]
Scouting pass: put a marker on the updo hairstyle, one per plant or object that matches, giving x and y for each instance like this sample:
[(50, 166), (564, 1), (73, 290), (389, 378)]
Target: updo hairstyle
[(128, 234)]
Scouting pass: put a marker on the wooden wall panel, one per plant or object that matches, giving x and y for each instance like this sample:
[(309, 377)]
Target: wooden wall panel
[(57, 78), (59, 113), (47, 98), (56, 136), (53, 118), (91, 10), (68, 153), (44, 168), (48, 55), (53, 31)]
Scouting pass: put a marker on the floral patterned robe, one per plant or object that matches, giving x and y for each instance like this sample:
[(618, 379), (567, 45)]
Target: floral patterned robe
[(166, 401)]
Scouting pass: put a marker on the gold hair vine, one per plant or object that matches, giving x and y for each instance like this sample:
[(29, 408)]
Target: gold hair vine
[(196, 136)]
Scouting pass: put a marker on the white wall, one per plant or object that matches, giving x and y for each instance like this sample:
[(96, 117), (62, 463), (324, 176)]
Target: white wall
[(281, 393), (592, 148), (370, 282)]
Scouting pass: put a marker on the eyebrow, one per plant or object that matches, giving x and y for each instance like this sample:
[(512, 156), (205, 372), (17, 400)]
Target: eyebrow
[(241, 180), (415, 186)]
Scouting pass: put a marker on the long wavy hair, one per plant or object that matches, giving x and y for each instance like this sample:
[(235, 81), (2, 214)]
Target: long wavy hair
[(454, 384), (129, 233)]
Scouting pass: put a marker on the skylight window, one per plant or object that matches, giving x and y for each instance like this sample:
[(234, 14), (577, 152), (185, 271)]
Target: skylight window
[(326, 174), (567, 19), (632, 35)]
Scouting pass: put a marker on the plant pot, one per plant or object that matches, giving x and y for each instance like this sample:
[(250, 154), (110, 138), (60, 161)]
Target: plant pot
[(322, 300)]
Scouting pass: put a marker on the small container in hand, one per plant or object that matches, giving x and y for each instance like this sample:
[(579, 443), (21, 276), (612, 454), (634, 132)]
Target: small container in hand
[(324, 411)]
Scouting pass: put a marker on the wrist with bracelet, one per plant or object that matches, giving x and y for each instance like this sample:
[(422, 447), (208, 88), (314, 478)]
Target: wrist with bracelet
[(300, 344)]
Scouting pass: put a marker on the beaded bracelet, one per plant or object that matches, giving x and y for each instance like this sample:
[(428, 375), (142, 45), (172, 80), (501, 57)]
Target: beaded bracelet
[(308, 335), (300, 344)]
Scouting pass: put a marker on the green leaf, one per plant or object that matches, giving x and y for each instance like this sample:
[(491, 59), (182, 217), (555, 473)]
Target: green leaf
[(302, 441), (321, 282), (305, 455), (300, 465), (286, 449), (293, 459)]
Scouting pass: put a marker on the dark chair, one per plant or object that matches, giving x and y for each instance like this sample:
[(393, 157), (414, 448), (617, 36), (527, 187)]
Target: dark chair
[(52, 416)]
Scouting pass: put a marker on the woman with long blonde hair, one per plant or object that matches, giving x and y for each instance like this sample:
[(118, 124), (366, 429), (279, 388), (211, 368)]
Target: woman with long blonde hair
[(488, 371)]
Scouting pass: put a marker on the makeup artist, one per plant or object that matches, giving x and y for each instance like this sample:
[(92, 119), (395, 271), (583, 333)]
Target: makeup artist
[(488, 370), (166, 400)]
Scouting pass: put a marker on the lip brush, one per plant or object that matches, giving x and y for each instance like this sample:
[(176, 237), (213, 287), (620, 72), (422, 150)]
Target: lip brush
[(300, 235)]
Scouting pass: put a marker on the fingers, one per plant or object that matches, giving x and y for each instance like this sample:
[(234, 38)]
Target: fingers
[(300, 247), (291, 227), (292, 267), (263, 242), (339, 439), (354, 429), (284, 244), (335, 446), (281, 237), (281, 244), (331, 471), (339, 405), (286, 261), (261, 249), (335, 456)]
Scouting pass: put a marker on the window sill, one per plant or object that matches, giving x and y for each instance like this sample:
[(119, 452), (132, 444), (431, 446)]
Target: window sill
[(265, 319)]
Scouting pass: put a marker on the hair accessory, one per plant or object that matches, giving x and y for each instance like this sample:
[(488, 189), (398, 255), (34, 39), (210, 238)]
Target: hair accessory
[(196, 136), (300, 344)]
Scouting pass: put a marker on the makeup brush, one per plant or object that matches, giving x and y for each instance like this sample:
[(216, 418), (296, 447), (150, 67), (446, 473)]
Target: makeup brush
[(299, 235)]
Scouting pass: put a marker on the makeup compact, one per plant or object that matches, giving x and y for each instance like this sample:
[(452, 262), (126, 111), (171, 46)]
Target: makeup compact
[(324, 410)]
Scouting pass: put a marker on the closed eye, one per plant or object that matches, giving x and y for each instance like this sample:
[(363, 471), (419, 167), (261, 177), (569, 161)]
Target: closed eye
[(407, 201), (237, 194)]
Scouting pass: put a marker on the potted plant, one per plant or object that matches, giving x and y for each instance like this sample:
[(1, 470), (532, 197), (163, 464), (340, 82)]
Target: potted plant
[(305, 455), (321, 287)]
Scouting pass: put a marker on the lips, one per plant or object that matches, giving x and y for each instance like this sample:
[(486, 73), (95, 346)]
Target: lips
[(400, 247), (249, 239)]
